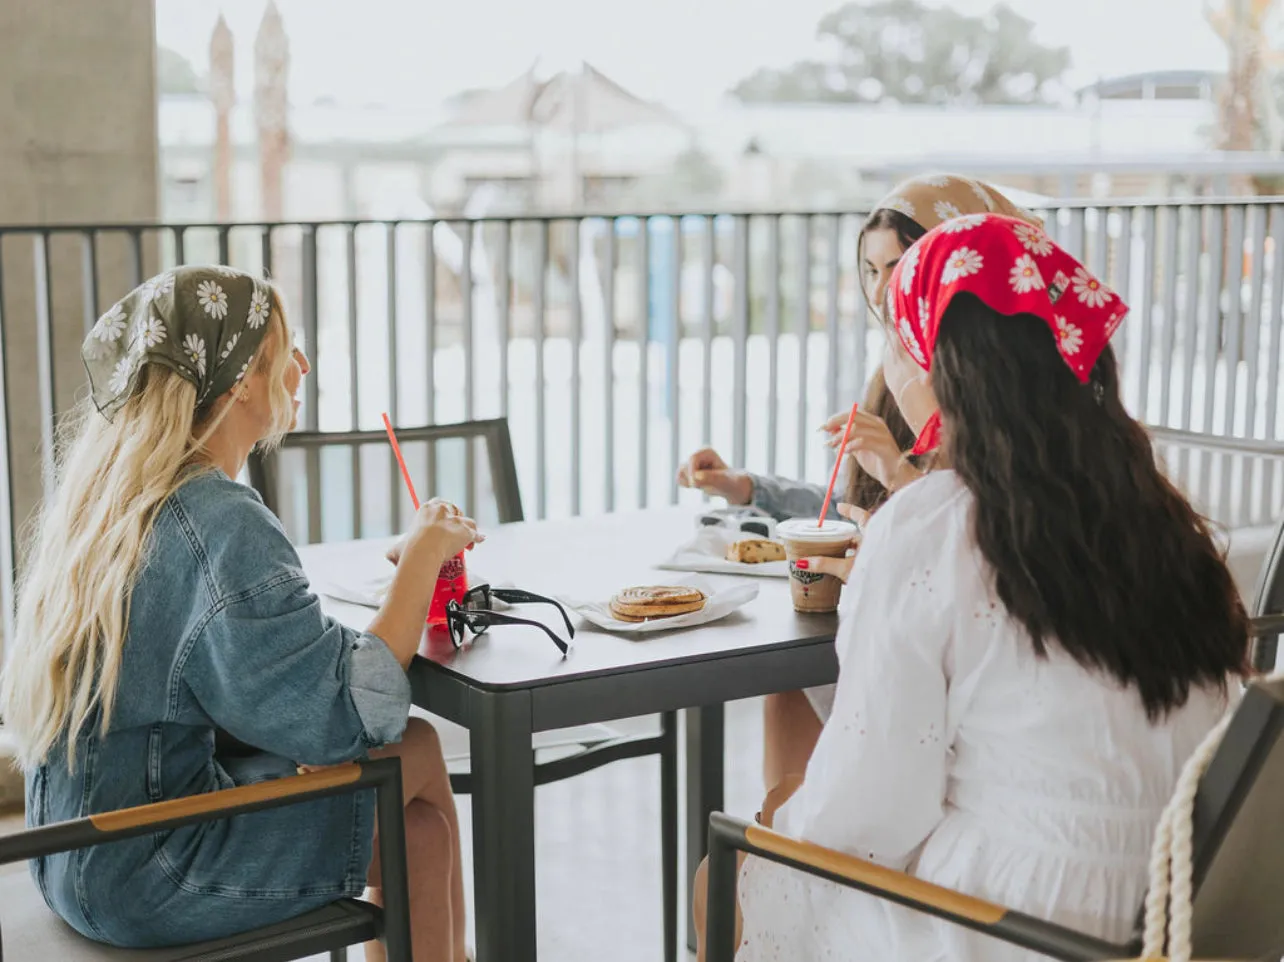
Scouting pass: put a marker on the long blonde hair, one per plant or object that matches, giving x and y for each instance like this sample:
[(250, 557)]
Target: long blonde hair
[(90, 539)]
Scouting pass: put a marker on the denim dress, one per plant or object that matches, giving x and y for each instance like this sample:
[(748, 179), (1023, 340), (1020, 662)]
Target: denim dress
[(225, 638)]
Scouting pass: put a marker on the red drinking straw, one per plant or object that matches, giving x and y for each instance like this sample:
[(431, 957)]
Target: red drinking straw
[(824, 509), (410, 485)]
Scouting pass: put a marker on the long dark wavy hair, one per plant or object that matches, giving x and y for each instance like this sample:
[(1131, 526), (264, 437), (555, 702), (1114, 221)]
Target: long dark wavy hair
[(863, 490), (1092, 548)]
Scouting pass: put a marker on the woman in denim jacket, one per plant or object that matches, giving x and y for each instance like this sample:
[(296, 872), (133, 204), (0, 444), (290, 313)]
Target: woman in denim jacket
[(163, 605)]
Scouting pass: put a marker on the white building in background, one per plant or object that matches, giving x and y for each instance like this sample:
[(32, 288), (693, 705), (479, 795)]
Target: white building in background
[(578, 140)]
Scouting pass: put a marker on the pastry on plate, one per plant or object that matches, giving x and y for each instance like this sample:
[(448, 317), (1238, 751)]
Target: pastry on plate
[(656, 601), (755, 551)]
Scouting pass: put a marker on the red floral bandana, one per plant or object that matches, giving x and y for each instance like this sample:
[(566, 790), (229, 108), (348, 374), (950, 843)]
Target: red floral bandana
[(1014, 268)]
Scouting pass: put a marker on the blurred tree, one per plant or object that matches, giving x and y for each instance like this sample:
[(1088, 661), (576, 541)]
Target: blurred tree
[(1248, 114), (905, 51), (175, 73), (1248, 107)]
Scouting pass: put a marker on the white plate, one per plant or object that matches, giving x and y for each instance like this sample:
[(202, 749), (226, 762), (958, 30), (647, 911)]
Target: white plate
[(719, 603), (707, 552)]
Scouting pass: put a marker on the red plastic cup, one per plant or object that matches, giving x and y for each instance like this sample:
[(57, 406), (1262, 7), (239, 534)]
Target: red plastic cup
[(452, 584)]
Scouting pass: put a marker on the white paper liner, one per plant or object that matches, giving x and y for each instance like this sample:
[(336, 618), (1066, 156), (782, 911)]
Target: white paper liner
[(706, 552)]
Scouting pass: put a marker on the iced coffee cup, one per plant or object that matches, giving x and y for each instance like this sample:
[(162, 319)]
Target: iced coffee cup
[(803, 538)]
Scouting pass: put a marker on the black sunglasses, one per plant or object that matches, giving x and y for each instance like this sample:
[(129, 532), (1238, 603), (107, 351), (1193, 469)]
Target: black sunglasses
[(474, 613)]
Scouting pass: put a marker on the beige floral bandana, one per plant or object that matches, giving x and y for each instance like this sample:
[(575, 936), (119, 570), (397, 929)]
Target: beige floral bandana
[(935, 198), (204, 323)]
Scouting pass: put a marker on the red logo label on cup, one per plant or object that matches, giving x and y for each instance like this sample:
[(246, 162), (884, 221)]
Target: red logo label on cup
[(452, 569)]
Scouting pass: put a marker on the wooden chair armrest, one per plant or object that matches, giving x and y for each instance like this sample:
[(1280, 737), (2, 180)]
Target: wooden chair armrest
[(382, 775), (728, 835)]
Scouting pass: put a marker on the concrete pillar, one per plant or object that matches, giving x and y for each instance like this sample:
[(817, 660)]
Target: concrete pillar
[(78, 145)]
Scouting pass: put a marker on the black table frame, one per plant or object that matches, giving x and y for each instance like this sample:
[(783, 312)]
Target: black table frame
[(502, 720)]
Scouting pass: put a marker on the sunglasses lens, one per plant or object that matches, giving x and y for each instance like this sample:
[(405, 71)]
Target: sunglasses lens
[(478, 599)]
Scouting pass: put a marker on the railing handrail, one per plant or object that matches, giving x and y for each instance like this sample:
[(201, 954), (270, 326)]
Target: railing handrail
[(1213, 442), (1108, 203)]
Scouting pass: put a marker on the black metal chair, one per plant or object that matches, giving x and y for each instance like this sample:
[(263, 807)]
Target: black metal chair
[(265, 476), (31, 931), (1238, 859), (1268, 600), (578, 751), (1268, 596)]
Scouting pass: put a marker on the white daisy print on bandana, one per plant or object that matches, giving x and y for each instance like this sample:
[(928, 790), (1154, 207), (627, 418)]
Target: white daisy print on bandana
[(962, 263), (150, 331), (909, 264), (945, 210), (213, 299), (1025, 275), (901, 205), (958, 225), (260, 308), (924, 316), (158, 286), (110, 326), (1033, 239), (120, 376), (910, 342), (1069, 337), (194, 348), (1090, 290)]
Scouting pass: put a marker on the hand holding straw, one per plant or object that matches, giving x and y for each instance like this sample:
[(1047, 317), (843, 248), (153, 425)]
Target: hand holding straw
[(824, 508), (405, 474)]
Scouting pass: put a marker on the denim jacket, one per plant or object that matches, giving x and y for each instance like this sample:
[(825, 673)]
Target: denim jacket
[(224, 635)]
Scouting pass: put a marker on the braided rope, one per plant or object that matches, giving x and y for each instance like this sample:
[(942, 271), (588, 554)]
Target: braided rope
[(1171, 892)]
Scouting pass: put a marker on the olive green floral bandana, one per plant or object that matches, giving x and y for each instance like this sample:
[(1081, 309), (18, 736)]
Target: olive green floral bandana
[(204, 323)]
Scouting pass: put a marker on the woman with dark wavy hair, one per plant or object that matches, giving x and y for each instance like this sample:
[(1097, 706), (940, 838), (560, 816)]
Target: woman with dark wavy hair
[(1035, 637)]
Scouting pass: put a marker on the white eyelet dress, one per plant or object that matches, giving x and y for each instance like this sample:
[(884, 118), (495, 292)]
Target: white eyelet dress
[(956, 754)]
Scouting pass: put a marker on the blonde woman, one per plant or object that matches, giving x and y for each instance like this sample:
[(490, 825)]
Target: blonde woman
[(163, 604)]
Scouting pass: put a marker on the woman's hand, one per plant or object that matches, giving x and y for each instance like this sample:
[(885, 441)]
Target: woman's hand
[(870, 443), (438, 533), (439, 528), (777, 796), (840, 568), (707, 471)]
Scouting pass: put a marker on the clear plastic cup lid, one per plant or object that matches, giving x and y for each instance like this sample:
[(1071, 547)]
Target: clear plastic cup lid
[(806, 529)]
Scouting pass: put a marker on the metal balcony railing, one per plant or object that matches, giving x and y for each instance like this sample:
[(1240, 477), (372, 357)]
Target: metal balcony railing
[(617, 344)]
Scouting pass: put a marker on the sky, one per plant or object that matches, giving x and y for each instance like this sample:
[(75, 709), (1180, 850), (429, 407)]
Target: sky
[(684, 53)]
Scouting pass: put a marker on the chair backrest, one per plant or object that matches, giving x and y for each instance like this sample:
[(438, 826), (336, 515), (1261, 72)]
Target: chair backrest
[(1238, 835), (1269, 598), (266, 474)]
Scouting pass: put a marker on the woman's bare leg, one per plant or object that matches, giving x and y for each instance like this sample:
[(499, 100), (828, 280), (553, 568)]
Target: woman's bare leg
[(790, 728), (439, 925), (700, 905), (428, 854)]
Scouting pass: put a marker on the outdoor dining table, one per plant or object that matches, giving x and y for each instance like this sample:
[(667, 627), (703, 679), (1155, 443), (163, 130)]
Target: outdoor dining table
[(512, 681)]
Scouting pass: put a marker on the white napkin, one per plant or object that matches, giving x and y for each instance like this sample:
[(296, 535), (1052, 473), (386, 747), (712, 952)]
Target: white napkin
[(719, 603), (359, 587), (707, 553), (369, 588)]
